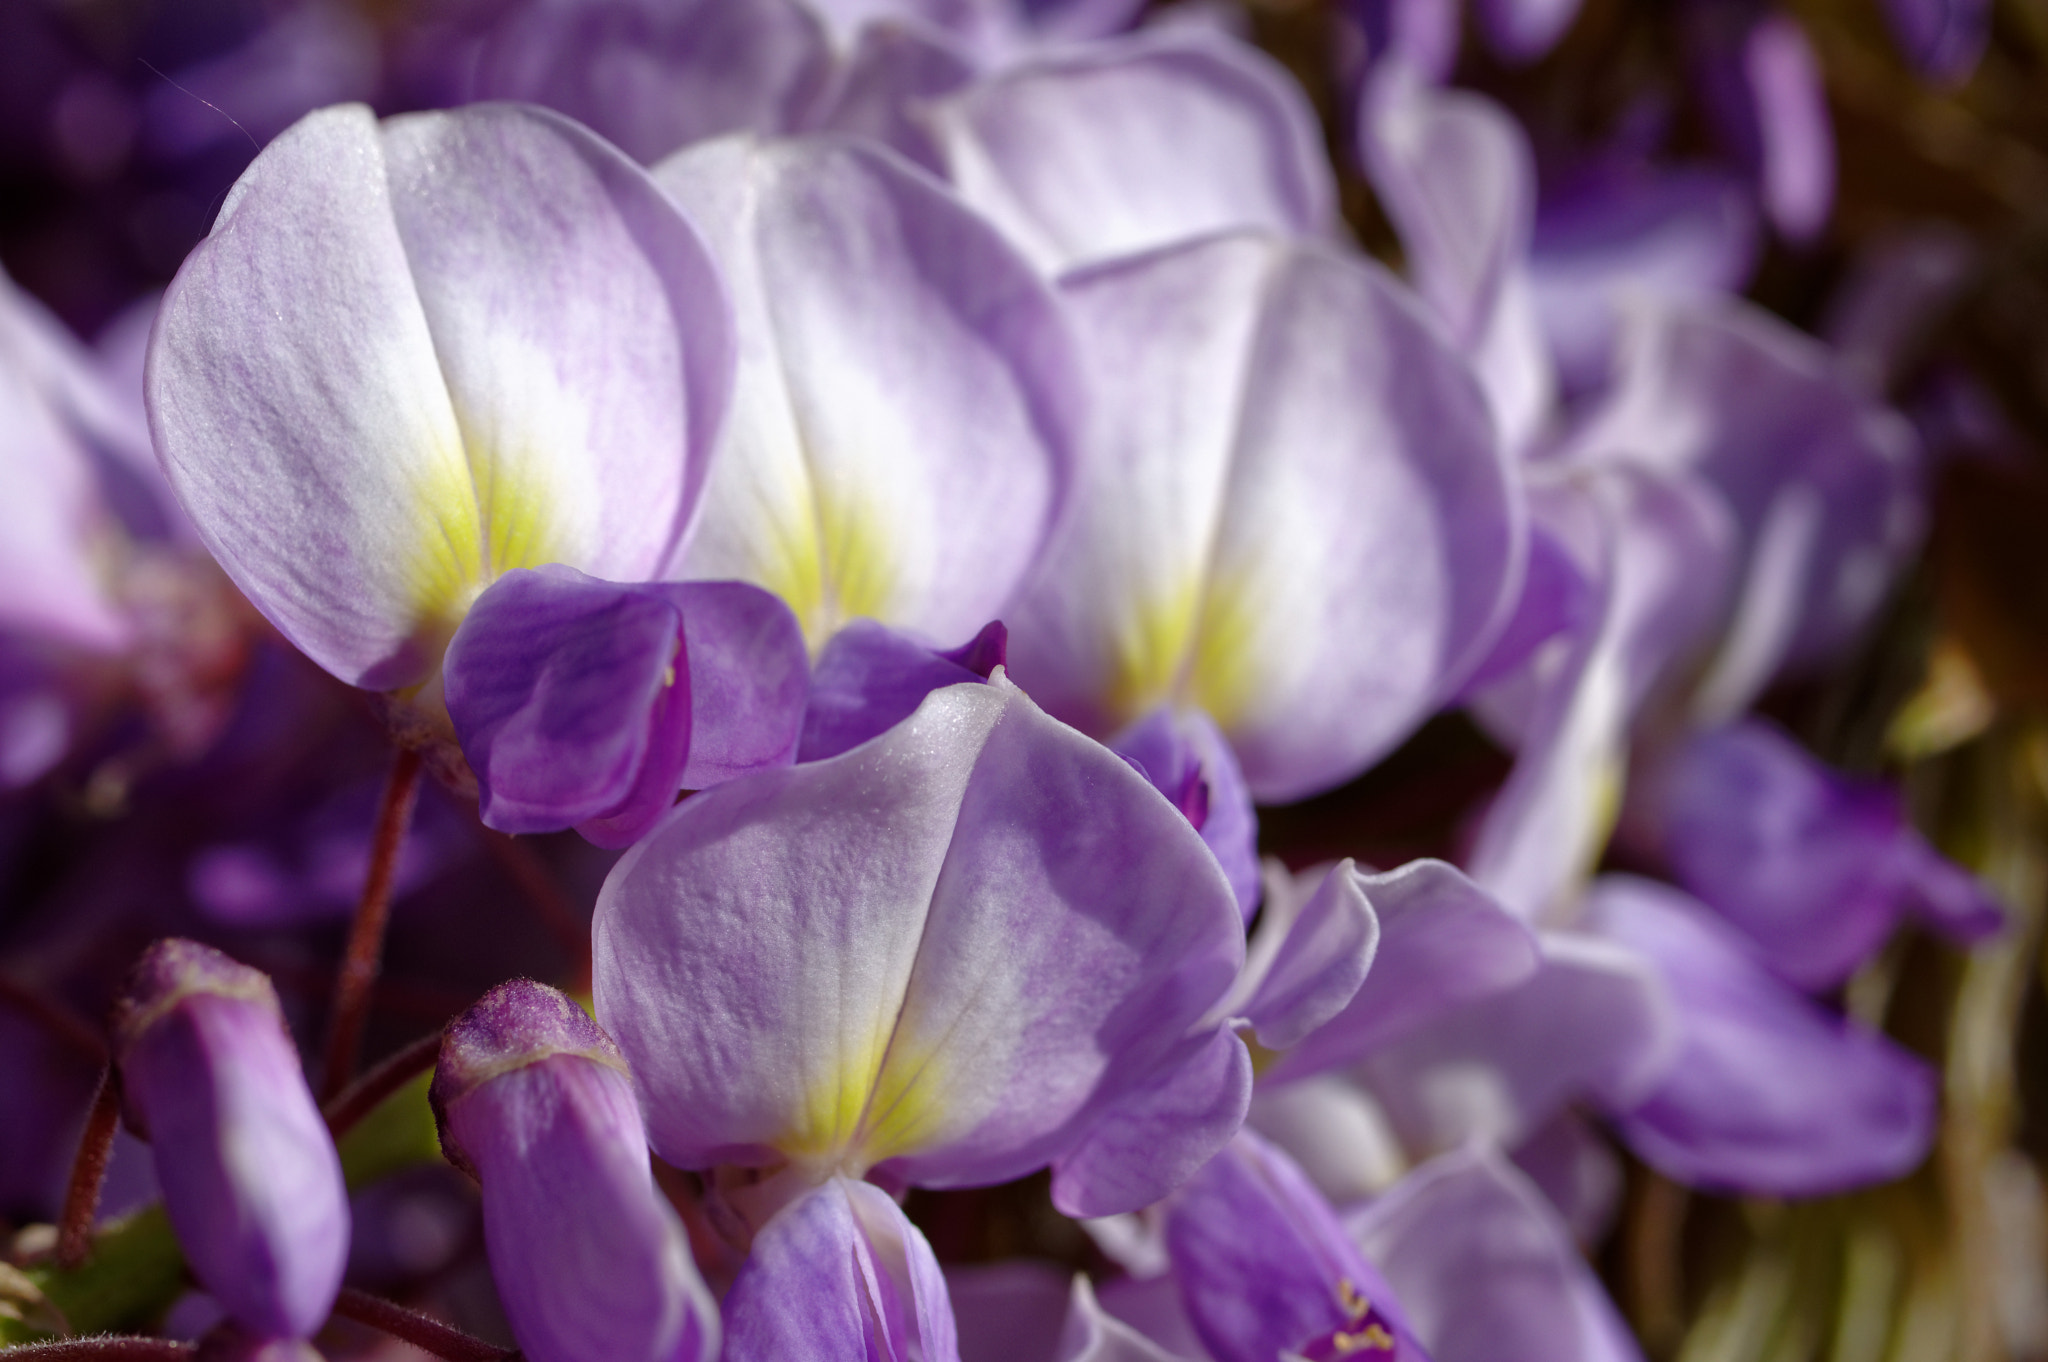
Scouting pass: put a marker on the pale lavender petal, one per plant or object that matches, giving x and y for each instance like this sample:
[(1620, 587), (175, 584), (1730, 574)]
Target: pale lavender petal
[(1520, 31), (590, 1262), (1443, 943), (249, 1173), (367, 425), (840, 1274), (1814, 867), (1609, 237), (1294, 516), (572, 701), (1825, 485), (1152, 1138), (655, 75), (869, 678), (884, 85), (1116, 148), (858, 281), (1596, 1021), (1657, 548), (1335, 1130), (947, 951), (1944, 38), (749, 679), (1485, 1269), (1768, 1092), (58, 530), (1455, 173), (36, 718), (1307, 958), (1265, 1268), (1190, 762)]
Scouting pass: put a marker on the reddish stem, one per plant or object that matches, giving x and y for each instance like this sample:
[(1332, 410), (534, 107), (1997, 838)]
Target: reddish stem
[(422, 1331), (556, 910), (364, 1095), (365, 954), (88, 1171), (103, 1348)]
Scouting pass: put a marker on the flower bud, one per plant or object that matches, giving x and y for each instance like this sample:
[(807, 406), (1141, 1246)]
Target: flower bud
[(534, 1101), (250, 1176)]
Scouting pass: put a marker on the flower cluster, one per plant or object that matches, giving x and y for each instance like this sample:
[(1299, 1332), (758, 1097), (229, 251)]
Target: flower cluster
[(909, 484)]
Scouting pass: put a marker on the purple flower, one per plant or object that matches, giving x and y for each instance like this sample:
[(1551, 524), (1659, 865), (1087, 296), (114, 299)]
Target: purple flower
[(1484, 1268), (906, 395), (535, 1102), (650, 75), (1266, 1270), (414, 356), (1766, 1092), (1112, 149), (250, 1177), (1456, 175), (969, 948), (1292, 516), (1814, 867)]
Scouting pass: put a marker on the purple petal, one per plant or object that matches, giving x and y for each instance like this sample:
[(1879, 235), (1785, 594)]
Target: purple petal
[(250, 1177), (1294, 516), (1421, 36), (1762, 83), (1815, 868), (1768, 1093), (1443, 943), (368, 422), (1577, 1170), (1307, 958), (838, 1275), (1151, 1307), (883, 88), (1486, 1270), (1667, 233), (655, 75), (590, 1262), (1010, 1311), (1824, 484), (1264, 1267), (1594, 1021), (1520, 31), (572, 700), (946, 951), (1455, 173), (1656, 549), (869, 678), (1944, 38), (58, 529), (904, 410), (1337, 1133), (1153, 1137), (1190, 762), (1116, 148), (1092, 1334), (749, 679)]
